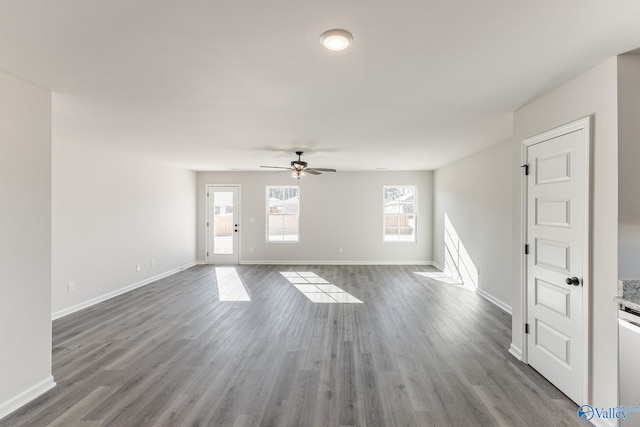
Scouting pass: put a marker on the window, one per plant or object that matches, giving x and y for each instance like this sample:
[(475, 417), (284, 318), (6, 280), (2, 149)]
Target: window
[(283, 213), (399, 212)]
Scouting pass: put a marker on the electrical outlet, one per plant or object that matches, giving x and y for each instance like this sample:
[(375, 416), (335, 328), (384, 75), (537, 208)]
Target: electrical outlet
[(153, 262), (138, 268), (250, 250), (71, 287), (340, 250)]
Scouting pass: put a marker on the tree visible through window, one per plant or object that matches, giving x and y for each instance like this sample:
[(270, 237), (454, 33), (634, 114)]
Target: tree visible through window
[(283, 213), (400, 213)]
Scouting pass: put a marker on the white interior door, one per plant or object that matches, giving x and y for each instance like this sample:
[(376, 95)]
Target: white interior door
[(223, 227), (557, 260)]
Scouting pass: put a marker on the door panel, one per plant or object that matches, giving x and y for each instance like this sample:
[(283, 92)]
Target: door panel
[(553, 168), (553, 255), (553, 212), (552, 297), (556, 195), (551, 340), (223, 228)]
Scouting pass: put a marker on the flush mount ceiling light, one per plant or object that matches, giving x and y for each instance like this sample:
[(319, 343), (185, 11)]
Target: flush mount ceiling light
[(336, 39)]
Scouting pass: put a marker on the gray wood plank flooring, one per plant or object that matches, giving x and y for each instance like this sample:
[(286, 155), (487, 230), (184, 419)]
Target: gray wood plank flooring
[(418, 352)]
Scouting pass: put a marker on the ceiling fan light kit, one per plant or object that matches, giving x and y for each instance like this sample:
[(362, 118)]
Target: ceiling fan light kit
[(299, 168), (298, 173), (336, 39)]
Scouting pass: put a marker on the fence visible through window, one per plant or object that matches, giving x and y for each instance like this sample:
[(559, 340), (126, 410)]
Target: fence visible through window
[(283, 213), (399, 213)]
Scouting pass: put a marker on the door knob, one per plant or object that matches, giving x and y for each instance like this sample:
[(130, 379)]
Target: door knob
[(572, 281)]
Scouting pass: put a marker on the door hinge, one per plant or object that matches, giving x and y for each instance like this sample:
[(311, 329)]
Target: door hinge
[(207, 223), (526, 249), (526, 169), (207, 254), (207, 194), (526, 328)]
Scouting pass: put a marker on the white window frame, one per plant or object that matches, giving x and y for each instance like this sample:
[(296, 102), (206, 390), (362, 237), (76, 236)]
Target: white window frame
[(267, 214), (415, 214)]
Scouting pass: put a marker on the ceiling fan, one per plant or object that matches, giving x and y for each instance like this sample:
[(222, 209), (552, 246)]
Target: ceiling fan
[(299, 168)]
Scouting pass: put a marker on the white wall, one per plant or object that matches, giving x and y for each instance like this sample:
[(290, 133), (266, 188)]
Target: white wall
[(341, 210), (591, 94), (25, 242), (476, 195), (629, 166), (110, 212)]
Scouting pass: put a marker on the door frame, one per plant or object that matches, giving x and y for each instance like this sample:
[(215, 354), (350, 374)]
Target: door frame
[(207, 219), (580, 124)]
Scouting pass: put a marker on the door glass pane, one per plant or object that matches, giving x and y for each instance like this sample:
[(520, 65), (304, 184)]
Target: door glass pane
[(223, 222)]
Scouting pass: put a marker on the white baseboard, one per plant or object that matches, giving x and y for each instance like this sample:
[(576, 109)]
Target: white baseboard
[(515, 352), (503, 306), (438, 266), (101, 298), (289, 262), (604, 422), (26, 396), (494, 300)]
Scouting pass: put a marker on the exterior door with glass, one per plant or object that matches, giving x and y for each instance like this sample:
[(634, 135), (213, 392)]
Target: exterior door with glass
[(223, 226)]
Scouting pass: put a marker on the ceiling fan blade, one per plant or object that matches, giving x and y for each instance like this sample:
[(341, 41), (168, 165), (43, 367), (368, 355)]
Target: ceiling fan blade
[(312, 171), (275, 167), (322, 170)]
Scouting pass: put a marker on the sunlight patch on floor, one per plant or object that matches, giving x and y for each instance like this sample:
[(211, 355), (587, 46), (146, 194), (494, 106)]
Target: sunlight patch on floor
[(445, 277), (230, 286), (441, 277), (317, 289)]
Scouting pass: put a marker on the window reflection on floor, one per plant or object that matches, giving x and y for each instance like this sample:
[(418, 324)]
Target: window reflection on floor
[(230, 285), (317, 289), (441, 277)]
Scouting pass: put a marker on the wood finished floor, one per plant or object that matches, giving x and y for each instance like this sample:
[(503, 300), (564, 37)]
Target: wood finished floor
[(417, 353)]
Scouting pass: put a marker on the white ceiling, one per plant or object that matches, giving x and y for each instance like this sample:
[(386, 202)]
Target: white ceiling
[(218, 85)]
